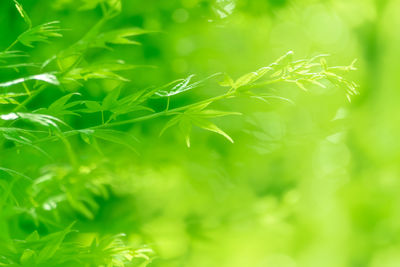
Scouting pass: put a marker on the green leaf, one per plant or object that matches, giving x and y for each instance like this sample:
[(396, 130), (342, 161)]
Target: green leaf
[(118, 37), (11, 54), (23, 14), (99, 71), (20, 65), (60, 106), (17, 138), (40, 33), (15, 173), (171, 123), (93, 106), (111, 99), (209, 126), (28, 257), (42, 119), (79, 206), (227, 82), (210, 113), (186, 127), (34, 236), (182, 86), (113, 136), (113, 5), (251, 77), (52, 244), (45, 77)]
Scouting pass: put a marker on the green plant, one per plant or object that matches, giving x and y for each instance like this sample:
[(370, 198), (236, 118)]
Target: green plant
[(47, 199)]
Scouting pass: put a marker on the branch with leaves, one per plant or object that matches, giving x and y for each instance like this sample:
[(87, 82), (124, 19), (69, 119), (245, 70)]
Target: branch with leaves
[(23, 127)]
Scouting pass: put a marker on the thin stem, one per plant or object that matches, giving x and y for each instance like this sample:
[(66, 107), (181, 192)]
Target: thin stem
[(168, 100), (103, 9), (26, 88), (70, 151), (142, 118), (30, 98), (165, 113), (11, 45)]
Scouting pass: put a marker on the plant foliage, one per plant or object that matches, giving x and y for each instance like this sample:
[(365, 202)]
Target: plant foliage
[(47, 199)]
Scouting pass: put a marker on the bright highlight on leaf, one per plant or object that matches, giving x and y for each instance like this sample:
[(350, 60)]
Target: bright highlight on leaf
[(45, 77), (23, 14)]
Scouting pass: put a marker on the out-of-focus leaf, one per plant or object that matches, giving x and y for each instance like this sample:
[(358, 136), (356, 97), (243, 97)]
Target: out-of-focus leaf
[(28, 257), (60, 106), (11, 54), (42, 119), (16, 173), (10, 98), (110, 100), (40, 33), (79, 206), (114, 5), (210, 113), (227, 82), (99, 71), (113, 136), (209, 126), (53, 242), (23, 14), (185, 126), (20, 65), (92, 106), (170, 123), (251, 77), (118, 37), (45, 77), (18, 138)]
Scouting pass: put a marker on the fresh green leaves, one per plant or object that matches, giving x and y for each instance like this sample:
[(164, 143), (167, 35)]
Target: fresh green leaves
[(60, 107), (112, 104), (98, 71), (74, 183), (117, 137), (40, 33), (198, 116), (302, 73), (180, 86)]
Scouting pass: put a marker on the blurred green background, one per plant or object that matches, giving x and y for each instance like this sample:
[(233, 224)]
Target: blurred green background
[(310, 184)]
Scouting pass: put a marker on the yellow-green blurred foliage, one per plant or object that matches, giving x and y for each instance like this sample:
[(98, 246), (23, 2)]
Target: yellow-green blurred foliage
[(309, 184)]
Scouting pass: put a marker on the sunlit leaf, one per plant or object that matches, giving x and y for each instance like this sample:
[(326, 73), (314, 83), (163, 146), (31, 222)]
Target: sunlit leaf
[(185, 126), (182, 85), (42, 119), (45, 77), (209, 126)]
